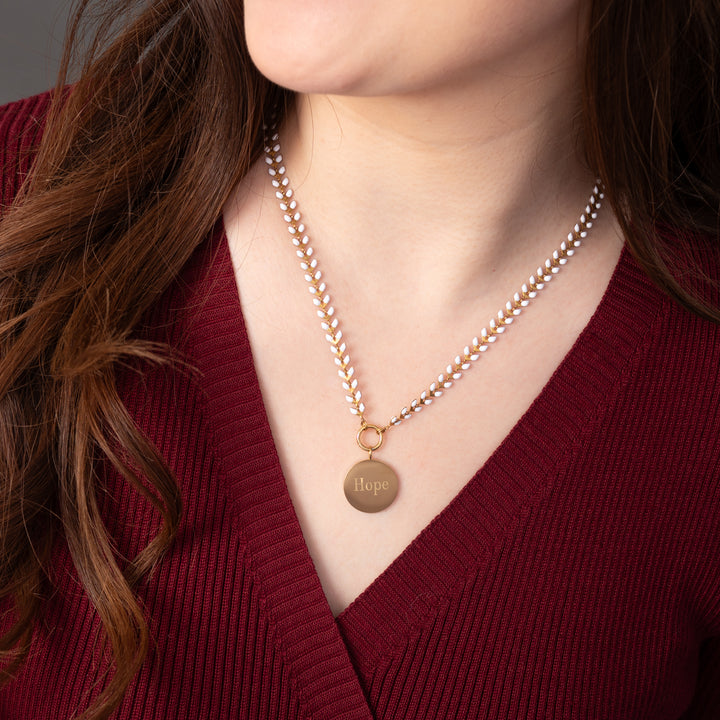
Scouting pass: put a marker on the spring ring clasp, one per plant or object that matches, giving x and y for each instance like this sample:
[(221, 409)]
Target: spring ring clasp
[(370, 449)]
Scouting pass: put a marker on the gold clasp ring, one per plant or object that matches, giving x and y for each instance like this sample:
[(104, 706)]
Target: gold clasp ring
[(377, 430)]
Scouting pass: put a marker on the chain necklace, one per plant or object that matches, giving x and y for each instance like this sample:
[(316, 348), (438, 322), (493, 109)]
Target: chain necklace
[(371, 485)]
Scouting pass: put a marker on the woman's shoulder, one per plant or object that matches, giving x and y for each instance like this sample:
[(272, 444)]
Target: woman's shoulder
[(693, 260), (21, 127)]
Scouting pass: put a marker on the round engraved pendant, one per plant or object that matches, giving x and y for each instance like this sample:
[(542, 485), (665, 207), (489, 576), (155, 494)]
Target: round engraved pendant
[(371, 486)]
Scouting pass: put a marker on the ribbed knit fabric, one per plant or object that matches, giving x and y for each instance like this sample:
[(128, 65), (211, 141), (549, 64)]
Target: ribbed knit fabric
[(576, 576)]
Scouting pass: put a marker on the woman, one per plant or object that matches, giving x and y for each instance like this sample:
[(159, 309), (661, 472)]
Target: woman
[(160, 350)]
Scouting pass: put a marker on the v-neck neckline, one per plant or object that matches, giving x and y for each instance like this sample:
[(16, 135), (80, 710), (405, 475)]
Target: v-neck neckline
[(518, 473)]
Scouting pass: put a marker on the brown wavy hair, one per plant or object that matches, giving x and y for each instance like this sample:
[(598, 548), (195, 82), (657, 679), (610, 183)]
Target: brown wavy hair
[(132, 172)]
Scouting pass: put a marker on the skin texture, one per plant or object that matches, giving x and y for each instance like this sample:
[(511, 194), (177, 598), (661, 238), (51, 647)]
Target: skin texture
[(436, 164), (378, 49)]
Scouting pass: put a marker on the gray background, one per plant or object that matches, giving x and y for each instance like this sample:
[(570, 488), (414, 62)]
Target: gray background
[(31, 35)]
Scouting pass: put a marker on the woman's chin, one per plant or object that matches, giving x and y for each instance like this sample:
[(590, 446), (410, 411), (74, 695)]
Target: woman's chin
[(314, 79)]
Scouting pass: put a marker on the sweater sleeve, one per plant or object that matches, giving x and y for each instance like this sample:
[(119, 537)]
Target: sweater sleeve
[(21, 125)]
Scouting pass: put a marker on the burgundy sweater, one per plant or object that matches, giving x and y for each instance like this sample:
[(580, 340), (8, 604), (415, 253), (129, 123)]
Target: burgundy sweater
[(575, 576)]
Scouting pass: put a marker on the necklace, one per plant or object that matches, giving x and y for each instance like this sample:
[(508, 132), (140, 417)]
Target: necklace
[(371, 485)]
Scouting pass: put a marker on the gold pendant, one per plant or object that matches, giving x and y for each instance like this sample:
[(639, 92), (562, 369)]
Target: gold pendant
[(371, 486)]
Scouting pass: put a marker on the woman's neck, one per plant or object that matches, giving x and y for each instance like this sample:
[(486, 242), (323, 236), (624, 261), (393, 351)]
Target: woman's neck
[(443, 189)]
